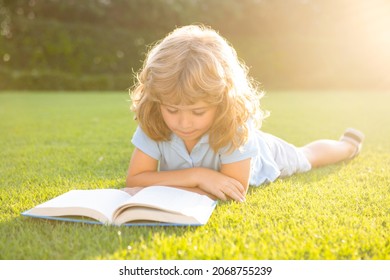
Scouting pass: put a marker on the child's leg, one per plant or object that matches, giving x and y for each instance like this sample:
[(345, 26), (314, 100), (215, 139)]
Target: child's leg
[(324, 152)]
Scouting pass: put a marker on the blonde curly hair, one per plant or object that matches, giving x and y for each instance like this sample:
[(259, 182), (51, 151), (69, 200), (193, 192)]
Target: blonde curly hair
[(194, 63)]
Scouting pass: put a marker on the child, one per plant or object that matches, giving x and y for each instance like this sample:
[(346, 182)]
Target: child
[(199, 118)]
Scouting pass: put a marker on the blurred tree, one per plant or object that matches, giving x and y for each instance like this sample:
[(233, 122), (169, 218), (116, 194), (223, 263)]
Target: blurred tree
[(96, 44)]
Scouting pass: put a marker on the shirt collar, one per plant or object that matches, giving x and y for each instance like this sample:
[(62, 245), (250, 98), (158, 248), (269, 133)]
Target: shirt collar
[(203, 140)]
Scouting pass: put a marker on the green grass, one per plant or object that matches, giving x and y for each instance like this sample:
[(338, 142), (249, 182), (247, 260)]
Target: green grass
[(53, 142)]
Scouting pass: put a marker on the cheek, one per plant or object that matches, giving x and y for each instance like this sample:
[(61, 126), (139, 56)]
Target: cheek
[(168, 119), (211, 117), (207, 121)]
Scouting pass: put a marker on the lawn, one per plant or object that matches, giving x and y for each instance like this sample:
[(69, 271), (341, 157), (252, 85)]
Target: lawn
[(55, 142)]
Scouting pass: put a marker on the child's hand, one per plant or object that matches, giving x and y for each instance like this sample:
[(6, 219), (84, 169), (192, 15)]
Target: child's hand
[(219, 185)]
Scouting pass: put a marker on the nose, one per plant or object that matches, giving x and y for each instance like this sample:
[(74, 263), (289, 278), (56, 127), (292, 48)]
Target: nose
[(185, 120)]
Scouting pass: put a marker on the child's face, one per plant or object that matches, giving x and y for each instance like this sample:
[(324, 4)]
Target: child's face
[(189, 122)]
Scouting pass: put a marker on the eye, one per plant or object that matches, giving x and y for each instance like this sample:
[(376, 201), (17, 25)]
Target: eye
[(199, 113), (172, 110)]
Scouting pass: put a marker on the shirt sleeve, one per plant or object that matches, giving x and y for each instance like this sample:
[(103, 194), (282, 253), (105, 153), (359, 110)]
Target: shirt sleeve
[(146, 144), (248, 150)]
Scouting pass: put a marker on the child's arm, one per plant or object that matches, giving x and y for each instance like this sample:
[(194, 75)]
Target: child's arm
[(239, 170), (143, 172)]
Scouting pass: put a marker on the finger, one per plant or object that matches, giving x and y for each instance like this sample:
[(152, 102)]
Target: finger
[(237, 185), (234, 193), (221, 195)]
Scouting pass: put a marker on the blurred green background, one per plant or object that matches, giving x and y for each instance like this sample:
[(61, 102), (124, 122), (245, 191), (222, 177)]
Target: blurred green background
[(288, 44)]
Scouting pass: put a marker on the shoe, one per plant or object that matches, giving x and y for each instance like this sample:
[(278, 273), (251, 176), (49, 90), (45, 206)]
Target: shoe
[(355, 137)]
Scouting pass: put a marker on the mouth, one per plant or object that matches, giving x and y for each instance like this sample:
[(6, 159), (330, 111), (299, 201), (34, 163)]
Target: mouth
[(186, 133)]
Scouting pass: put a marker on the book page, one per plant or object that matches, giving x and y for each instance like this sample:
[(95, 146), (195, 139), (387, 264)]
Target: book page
[(140, 214), (175, 200), (104, 201)]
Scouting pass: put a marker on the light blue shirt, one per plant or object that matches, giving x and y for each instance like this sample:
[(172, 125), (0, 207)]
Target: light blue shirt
[(173, 155)]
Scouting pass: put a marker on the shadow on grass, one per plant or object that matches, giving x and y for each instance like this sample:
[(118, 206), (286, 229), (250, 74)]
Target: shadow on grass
[(41, 239), (310, 177)]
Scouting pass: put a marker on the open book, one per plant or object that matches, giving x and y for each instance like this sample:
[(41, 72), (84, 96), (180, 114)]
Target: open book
[(156, 204)]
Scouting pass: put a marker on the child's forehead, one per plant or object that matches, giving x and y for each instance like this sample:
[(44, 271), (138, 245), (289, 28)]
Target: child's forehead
[(182, 106)]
